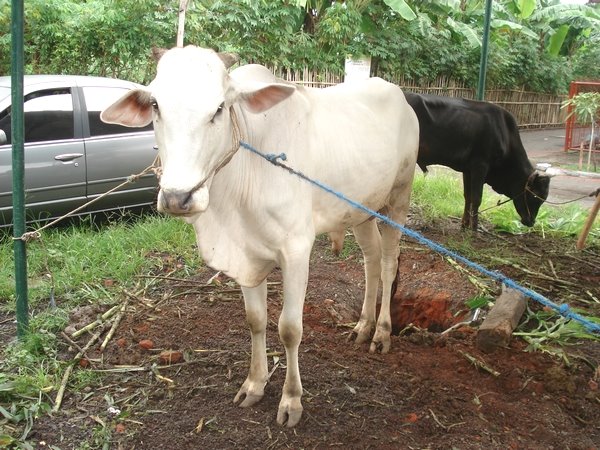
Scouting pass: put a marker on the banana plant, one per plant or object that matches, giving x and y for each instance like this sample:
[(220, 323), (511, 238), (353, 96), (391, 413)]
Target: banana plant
[(564, 26)]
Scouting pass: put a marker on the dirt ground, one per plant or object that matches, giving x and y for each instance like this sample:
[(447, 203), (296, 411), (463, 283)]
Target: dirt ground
[(426, 393)]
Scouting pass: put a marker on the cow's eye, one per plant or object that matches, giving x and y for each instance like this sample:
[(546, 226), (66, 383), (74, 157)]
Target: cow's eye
[(154, 104), (218, 112)]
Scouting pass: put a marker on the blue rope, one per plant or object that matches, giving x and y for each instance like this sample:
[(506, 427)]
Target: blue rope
[(563, 309)]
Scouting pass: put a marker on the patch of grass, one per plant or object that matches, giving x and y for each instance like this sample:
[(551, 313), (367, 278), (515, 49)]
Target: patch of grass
[(546, 331), (81, 258), (88, 264), (575, 167), (555, 220), (439, 195), (29, 372)]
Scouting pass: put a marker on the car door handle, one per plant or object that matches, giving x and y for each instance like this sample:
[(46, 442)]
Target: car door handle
[(68, 156)]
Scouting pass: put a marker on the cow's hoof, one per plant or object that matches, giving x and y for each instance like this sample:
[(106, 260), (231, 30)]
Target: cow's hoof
[(249, 394), (381, 342), (290, 412), (379, 347), (361, 332)]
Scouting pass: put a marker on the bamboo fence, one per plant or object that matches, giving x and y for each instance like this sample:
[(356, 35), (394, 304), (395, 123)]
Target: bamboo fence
[(531, 109)]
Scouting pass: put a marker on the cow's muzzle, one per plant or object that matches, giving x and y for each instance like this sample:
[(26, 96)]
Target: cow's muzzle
[(528, 221), (175, 202), (183, 203)]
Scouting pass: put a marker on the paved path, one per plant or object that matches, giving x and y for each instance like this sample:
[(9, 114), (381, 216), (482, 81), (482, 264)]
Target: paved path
[(546, 146)]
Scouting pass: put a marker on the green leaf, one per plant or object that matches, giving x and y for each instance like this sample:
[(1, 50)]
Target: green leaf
[(402, 8), (499, 24), (8, 415), (557, 39), (466, 31), (9, 386), (526, 8), (478, 302), (6, 440)]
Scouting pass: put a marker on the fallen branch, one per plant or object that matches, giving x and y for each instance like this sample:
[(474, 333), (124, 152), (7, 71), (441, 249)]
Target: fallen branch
[(71, 342), (511, 243), (123, 369), (592, 263), (479, 364), (67, 374), (472, 279), (445, 427), (170, 278), (159, 377), (114, 326), (532, 273), (107, 315)]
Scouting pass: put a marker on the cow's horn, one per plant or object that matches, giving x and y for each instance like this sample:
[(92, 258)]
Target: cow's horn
[(229, 59)]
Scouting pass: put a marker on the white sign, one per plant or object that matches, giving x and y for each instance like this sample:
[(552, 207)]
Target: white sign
[(357, 69)]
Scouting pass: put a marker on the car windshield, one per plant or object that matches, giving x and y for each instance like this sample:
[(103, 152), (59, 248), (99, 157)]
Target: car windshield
[(4, 92)]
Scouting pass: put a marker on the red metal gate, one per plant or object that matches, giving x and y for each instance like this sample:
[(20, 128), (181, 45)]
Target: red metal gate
[(577, 133)]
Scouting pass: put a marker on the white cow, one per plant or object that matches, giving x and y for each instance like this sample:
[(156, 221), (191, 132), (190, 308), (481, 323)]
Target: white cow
[(250, 216)]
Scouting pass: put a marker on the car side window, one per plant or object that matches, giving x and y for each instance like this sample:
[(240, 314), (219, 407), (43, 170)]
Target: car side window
[(98, 98), (48, 116)]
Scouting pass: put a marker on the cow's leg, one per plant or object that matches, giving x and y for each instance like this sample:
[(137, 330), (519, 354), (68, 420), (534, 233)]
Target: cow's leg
[(255, 300), (390, 250), (467, 213), (294, 268), (389, 266), (368, 238), (476, 180)]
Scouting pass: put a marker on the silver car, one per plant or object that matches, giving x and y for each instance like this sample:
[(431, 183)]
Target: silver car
[(71, 156)]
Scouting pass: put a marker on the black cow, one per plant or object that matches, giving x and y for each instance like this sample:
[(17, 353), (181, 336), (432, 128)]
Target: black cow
[(482, 141)]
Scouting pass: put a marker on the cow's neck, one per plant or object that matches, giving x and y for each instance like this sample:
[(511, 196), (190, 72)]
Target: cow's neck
[(511, 178)]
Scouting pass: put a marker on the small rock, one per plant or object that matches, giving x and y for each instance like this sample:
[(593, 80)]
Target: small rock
[(146, 344), (410, 418), (121, 342), (170, 357), (120, 428)]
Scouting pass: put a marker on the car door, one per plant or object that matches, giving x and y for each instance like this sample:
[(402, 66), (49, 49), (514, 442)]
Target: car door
[(114, 153), (55, 173)]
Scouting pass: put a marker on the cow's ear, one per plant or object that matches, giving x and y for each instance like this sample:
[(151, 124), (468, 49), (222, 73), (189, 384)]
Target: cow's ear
[(157, 53), (134, 109), (264, 98), (541, 179)]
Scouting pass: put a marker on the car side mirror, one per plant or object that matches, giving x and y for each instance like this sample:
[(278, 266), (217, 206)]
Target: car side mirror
[(3, 139)]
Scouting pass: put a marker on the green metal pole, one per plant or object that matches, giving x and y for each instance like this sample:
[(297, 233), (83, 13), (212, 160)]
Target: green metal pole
[(484, 50), (18, 166)]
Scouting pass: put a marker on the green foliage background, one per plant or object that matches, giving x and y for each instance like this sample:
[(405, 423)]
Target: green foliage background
[(535, 45)]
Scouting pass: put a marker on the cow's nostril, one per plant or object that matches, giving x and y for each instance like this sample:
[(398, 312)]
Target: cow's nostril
[(176, 201)]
